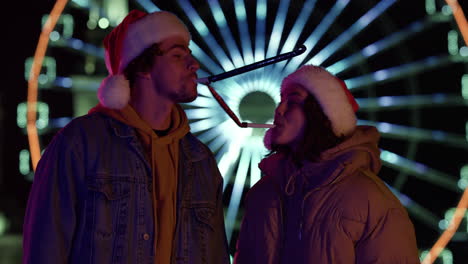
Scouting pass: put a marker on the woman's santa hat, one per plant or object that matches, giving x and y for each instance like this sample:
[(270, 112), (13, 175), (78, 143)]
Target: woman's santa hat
[(332, 94), (137, 32)]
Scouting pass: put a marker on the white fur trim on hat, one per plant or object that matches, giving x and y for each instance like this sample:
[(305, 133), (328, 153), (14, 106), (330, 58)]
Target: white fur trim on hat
[(114, 91), (152, 28), (327, 89)]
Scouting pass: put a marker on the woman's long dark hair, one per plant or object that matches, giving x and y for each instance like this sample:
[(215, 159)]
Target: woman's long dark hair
[(318, 134)]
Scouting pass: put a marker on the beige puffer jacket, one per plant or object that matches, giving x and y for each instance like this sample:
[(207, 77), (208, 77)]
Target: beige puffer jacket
[(333, 211)]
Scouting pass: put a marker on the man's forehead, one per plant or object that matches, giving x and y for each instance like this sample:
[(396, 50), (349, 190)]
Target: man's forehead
[(293, 89), (174, 42)]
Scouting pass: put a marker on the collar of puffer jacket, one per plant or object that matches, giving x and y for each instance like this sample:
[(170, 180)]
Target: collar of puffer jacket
[(359, 151)]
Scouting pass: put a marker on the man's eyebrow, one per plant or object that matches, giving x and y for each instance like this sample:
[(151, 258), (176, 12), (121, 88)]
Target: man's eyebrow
[(179, 46)]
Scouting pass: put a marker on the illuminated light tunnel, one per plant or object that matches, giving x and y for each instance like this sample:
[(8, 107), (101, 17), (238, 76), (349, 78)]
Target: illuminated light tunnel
[(405, 62)]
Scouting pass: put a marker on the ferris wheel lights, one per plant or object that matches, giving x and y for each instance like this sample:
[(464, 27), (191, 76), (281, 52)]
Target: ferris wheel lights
[(466, 130), (463, 183), (54, 36), (445, 257), (82, 3), (464, 86), (452, 38), (240, 10), (226, 33), (430, 7), (218, 14), (261, 9), (43, 79), (381, 75), (91, 24), (464, 51), (77, 44), (446, 10), (443, 224), (348, 34), (464, 172), (260, 30), (384, 127), (103, 23), (24, 161)]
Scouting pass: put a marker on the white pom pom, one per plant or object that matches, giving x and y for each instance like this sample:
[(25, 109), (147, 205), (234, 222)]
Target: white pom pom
[(114, 92)]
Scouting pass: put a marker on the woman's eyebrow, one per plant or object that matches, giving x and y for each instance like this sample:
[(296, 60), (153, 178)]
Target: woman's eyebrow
[(289, 94)]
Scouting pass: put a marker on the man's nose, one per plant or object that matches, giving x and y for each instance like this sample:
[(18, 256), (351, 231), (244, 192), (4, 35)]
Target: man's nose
[(193, 64)]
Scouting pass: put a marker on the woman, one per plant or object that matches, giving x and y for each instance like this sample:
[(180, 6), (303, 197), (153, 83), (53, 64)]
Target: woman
[(320, 199)]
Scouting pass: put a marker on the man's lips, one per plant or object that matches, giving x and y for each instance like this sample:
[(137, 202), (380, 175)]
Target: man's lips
[(193, 78)]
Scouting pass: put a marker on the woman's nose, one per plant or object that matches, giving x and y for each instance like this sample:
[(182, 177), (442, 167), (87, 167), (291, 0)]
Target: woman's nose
[(280, 109)]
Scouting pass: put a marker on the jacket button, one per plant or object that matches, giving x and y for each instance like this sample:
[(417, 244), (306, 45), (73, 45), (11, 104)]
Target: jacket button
[(146, 237)]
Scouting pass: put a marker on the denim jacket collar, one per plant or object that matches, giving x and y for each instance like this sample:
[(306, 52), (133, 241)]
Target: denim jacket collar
[(192, 148)]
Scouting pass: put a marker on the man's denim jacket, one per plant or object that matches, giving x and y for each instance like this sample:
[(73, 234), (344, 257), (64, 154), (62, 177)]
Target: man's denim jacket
[(91, 200)]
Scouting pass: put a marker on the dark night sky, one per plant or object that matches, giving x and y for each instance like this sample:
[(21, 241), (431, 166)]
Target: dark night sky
[(22, 23)]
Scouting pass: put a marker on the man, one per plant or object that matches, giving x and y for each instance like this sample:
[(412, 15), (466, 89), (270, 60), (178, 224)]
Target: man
[(128, 183), (320, 199)]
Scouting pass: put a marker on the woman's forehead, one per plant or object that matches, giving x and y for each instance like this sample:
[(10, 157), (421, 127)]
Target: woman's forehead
[(294, 89)]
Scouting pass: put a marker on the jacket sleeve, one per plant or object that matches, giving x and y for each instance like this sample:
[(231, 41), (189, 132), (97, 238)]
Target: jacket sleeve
[(242, 249), (221, 228), (50, 217), (391, 241), (259, 238)]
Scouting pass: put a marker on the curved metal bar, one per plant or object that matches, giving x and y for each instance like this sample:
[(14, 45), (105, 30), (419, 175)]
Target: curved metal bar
[(253, 66)]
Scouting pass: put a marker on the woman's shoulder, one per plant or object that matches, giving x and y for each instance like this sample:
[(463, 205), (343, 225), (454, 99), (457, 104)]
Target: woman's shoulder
[(364, 192)]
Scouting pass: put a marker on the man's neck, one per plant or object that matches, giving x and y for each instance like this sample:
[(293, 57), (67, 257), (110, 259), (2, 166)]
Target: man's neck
[(151, 107)]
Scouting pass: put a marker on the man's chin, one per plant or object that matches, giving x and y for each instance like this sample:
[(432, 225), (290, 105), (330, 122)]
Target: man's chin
[(188, 98)]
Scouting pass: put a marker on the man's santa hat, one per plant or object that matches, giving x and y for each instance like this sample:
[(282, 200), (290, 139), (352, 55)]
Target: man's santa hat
[(332, 94), (137, 32)]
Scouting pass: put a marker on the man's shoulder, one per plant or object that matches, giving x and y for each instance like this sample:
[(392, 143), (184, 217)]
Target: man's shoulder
[(86, 125), (195, 148), (83, 122)]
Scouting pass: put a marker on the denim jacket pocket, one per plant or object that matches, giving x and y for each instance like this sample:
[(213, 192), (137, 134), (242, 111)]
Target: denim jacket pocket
[(205, 214), (112, 191), (107, 217), (197, 228), (204, 231)]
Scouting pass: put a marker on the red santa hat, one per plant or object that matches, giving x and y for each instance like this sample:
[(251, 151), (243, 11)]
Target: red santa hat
[(137, 32), (332, 94)]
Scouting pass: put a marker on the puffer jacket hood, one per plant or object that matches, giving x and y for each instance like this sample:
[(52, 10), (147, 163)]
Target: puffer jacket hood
[(365, 139)]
